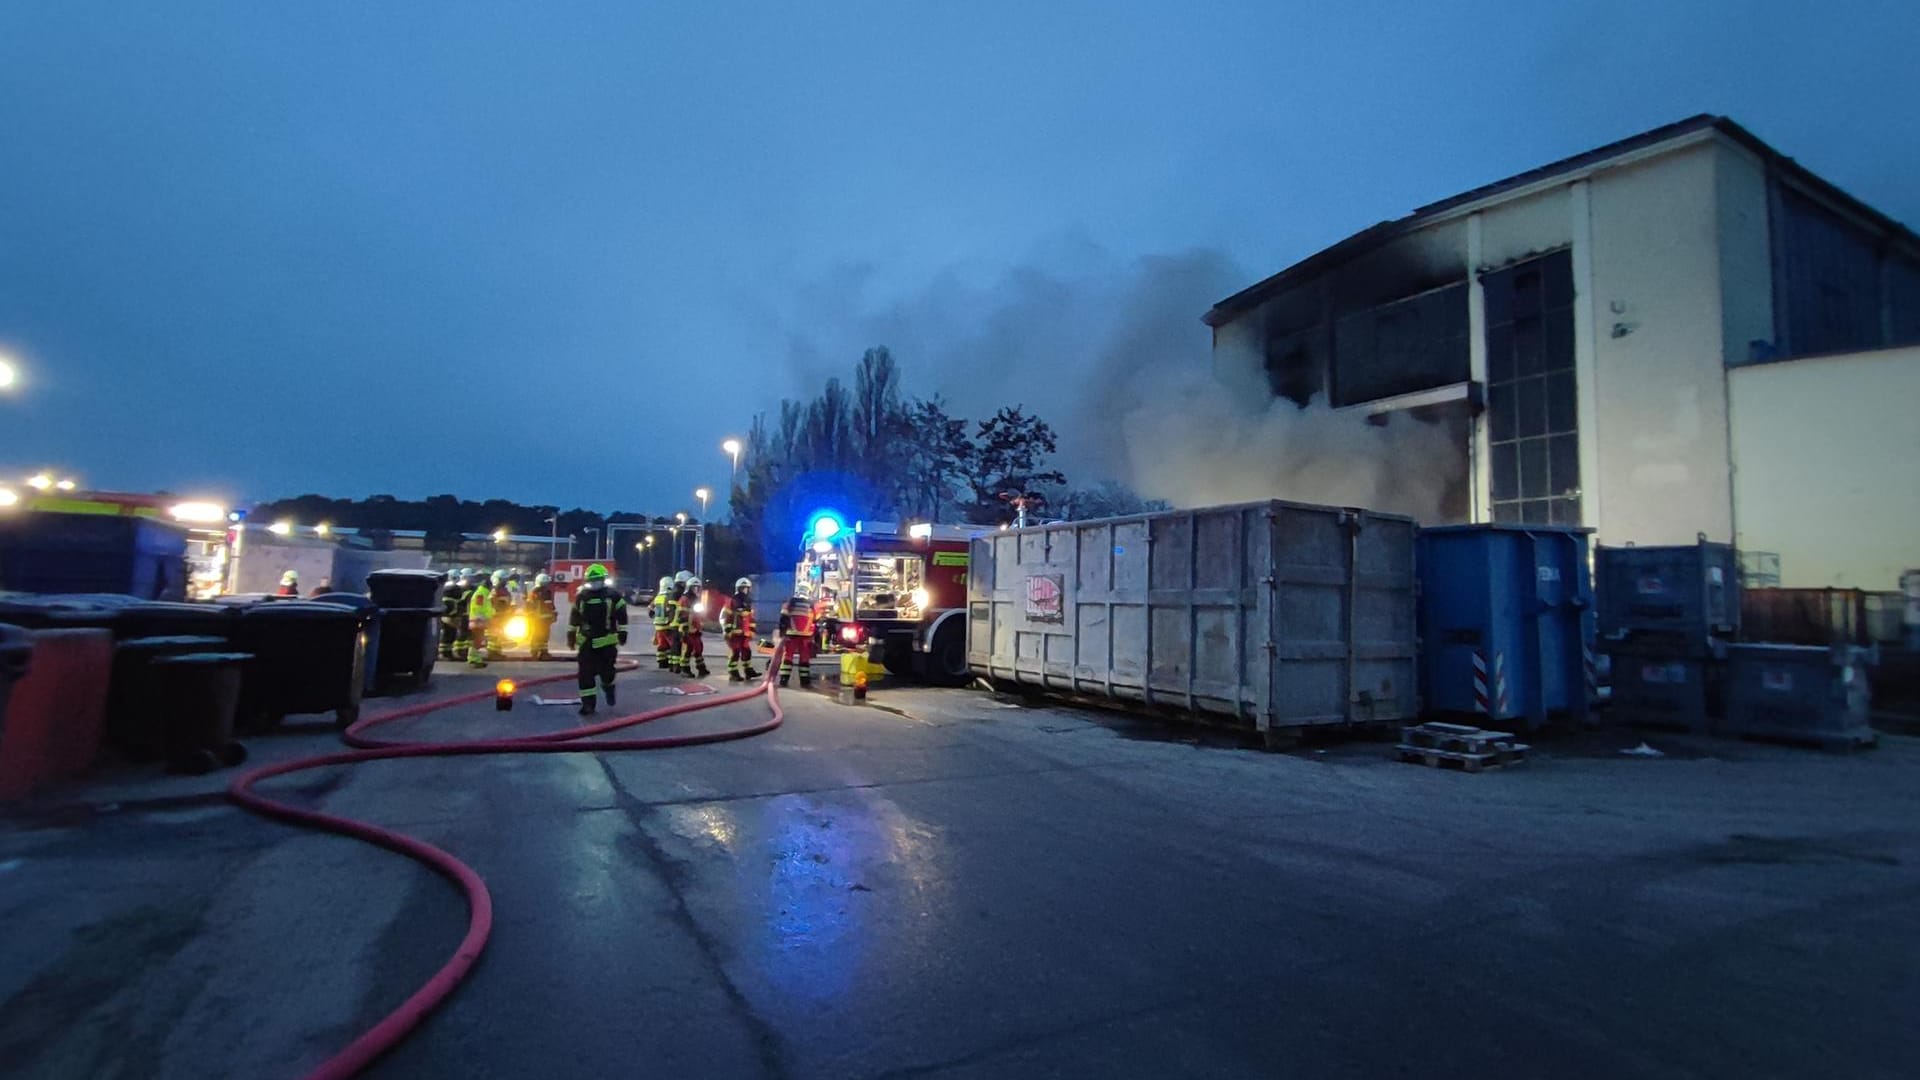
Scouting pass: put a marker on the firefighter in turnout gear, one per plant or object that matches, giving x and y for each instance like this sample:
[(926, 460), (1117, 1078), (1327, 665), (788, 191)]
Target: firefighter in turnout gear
[(661, 610), (692, 620), (479, 618), (541, 611), (453, 618), (737, 623), (675, 635), (597, 630), (796, 641), (289, 584)]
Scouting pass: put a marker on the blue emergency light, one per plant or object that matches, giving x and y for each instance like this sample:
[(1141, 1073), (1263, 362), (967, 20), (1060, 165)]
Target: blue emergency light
[(825, 525)]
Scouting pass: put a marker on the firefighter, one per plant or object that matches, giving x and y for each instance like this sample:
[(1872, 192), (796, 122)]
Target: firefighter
[(796, 641), (541, 611), (598, 629), (693, 648), (677, 622), (479, 617), (289, 584), (453, 618), (737, 623), (666, 647)]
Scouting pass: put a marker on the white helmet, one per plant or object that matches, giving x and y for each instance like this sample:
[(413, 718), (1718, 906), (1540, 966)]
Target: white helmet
[(289, 578), (743, 585), (540, 580), (666, 582), (681, 577)]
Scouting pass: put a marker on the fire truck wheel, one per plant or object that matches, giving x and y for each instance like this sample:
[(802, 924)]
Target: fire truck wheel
[(898, 660), (947, 659)]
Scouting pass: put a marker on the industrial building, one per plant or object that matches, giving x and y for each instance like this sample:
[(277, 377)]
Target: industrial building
[(1682, 333)]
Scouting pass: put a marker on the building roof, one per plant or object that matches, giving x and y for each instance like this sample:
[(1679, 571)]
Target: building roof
[(1375, 236)]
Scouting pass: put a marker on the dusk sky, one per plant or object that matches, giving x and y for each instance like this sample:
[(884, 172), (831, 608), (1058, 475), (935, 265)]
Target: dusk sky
[(556, 253)]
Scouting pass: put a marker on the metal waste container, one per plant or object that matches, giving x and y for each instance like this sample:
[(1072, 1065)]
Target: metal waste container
[(405, 588), (307, 658), (134, 725), (409, 646), (1506, 623), (198, 694), (15, 648)]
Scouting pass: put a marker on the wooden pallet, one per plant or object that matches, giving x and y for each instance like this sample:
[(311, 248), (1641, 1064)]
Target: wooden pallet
[(1450, 759), (1457, 746)]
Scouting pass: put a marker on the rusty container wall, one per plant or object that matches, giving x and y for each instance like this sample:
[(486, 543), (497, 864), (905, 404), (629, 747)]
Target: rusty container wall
[(1275, 615)]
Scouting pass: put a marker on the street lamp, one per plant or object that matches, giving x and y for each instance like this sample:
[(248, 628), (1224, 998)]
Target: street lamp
[(39, 481), (595, 530), (702, 494), (281, 528), (322, 529), (8, 497), (65, 485), (9, 375), (732, 449), (499, 536)]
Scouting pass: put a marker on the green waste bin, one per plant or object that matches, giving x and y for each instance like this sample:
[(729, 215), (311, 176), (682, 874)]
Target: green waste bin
[(198, 694)]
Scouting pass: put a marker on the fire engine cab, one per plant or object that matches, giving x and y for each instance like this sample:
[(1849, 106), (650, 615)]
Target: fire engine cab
[(899, 593)]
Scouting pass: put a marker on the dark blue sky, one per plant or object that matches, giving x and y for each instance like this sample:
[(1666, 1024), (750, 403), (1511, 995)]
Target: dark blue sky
[(262, 249)]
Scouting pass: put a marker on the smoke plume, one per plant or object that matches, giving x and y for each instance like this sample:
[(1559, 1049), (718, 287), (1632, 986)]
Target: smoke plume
[(1112, 353)]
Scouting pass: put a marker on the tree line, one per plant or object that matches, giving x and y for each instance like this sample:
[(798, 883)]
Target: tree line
[(868, 450)]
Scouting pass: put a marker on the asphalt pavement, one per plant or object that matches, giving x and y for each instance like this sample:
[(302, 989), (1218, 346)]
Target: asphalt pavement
[(946, 884)]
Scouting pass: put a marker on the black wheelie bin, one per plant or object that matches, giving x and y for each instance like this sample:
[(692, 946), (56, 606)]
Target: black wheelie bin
[(135, 724), (307, 658), (198, 694)]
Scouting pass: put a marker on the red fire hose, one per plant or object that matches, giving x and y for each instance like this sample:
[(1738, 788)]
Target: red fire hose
[(397, 1024)]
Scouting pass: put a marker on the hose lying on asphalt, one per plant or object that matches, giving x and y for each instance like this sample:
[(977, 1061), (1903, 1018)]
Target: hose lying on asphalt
[(397, 1024)]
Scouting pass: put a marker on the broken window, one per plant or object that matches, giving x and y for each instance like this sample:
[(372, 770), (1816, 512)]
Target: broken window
[(1402, 347)]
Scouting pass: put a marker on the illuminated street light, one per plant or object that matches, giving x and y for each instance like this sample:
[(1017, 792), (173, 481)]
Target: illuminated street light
[(9, 375), (281, 528), (681, 517), (8, 497), (731, 448), (499, 536), (66, 485), (702, 494), (39, 481), (322, 529)]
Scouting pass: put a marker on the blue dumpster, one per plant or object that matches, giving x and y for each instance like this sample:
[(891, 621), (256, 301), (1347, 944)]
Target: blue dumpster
[(1506, 623)]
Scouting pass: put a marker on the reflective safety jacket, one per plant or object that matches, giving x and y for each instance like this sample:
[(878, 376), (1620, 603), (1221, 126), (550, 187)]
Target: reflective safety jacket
[(453, 600), (797, 623), (598, 614), (737, 620), (480, 603), (663, 611), (540, 601), (686, 619)]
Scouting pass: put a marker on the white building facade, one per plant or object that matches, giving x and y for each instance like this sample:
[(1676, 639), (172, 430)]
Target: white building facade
[(1620, 339)]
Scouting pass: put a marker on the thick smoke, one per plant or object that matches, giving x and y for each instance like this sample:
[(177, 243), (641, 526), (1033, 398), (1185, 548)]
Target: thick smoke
[(1113, 354)]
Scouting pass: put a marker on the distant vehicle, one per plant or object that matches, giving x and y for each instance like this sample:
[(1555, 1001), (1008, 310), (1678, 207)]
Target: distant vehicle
[(900, 593)]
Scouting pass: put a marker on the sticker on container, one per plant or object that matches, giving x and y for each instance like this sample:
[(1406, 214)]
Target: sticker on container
[(1549, 573), (1714, 575), (1652, 586), (1781, 681), (1045, 595)]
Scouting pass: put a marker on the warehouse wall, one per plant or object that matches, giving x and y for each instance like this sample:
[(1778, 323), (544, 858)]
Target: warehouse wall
[(1825, 453), (1658, 374)]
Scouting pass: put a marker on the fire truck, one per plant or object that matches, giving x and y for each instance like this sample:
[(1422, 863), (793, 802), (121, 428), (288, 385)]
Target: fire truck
[(900, 593)]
